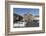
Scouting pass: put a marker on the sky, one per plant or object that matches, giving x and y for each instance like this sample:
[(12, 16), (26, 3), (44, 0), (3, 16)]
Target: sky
[(22, 11)]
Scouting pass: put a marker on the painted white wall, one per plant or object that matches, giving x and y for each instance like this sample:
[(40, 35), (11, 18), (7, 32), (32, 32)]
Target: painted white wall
[(2, 18)]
